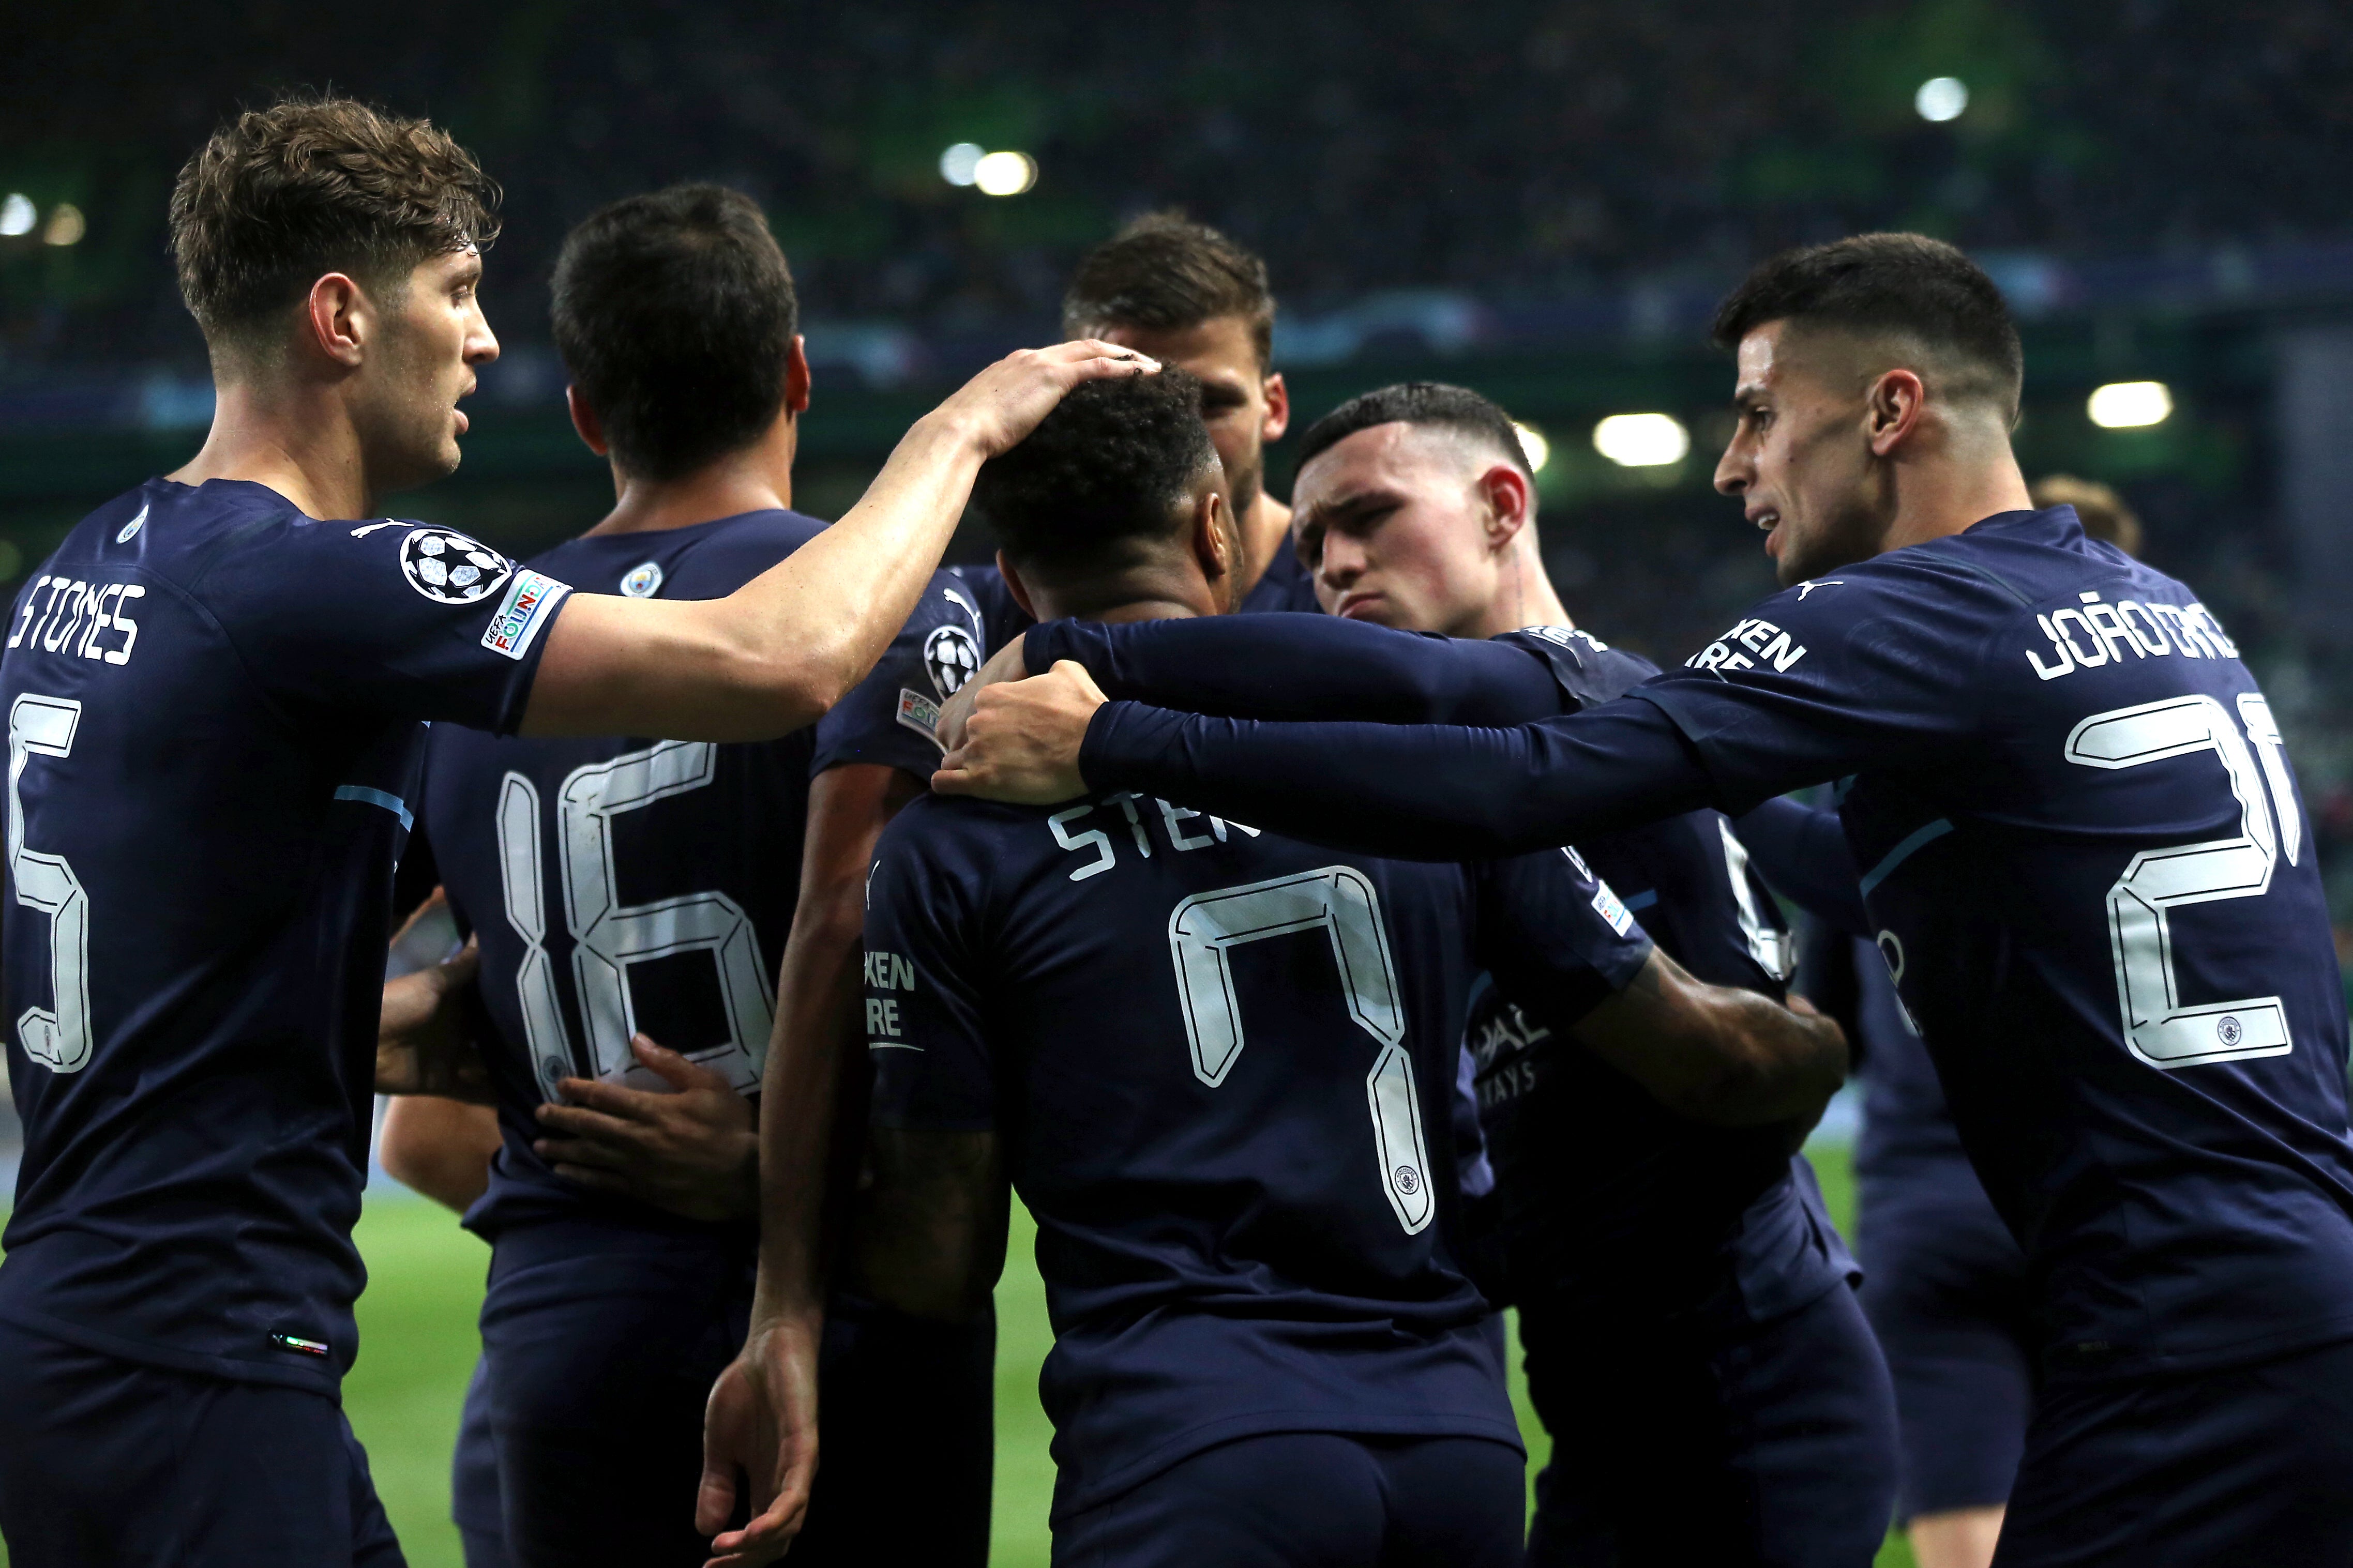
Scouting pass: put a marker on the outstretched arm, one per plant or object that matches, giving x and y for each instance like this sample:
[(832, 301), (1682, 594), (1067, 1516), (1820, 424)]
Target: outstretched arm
[(775, 654), (1431, 792), (1285, 667)]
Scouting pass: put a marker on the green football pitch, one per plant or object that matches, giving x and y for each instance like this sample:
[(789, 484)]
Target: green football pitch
[(416, 1330)]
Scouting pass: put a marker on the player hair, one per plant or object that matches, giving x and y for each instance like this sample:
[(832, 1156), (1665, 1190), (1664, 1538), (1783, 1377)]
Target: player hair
[(1432, 405), (1166, 272), (2101, 512), (279, 196), (674, 312), (1904, 285), (1102, 477)]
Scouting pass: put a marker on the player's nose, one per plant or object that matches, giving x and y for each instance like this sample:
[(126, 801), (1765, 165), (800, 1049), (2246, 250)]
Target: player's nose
[(1731, 471)]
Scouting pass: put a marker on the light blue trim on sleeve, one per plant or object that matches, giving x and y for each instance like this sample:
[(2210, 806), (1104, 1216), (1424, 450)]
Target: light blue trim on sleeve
[(391, 802), (1913, 841)]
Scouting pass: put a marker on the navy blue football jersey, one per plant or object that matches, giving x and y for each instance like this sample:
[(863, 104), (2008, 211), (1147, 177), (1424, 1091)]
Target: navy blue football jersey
[(1285, 586), (1222, 1063), (2084, 858), (1608, 1201), (1002, 618), (627, 885), (216, 713)]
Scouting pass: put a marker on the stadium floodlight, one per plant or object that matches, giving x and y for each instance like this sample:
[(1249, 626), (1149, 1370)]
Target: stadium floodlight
[(1004, 173), (16, 215), (2130, 404), (65, 225), (1941, 98), (1642, 441), (1532, 442), (958, 162)]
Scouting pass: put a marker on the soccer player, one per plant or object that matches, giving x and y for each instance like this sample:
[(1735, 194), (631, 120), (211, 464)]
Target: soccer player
[(627, 886), (2085, 864), (1191, 297), (1741, 1412), (216, 690), (1948, 1289), (1217, 1065)]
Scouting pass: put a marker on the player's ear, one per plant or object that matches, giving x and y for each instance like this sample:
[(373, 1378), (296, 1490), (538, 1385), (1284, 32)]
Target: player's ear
[(585, 421), (1015, 586), (1891, 409), (1277, 408), (1510, 503), (797, 379), (1215, 546), (336, 319)]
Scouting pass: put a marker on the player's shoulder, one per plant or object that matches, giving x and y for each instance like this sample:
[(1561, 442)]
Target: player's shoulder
[(957, 842), (702, 560), (1587, 667)]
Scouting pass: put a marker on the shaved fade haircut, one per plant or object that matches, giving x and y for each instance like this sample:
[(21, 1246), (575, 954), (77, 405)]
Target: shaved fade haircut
[(1426, 404), (1167, 273), (280, 197), (1903, 286)]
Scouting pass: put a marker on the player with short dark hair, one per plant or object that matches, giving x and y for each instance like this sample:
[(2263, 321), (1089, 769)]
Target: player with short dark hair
[(1741, 1412), (1192, 297), (2084, 856), (217, 689), (622, 1209), (1217, 1065)]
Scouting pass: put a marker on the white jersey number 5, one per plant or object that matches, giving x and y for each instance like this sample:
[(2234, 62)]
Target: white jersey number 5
[(1342, 903), (57, 1037), (2160, 1030)]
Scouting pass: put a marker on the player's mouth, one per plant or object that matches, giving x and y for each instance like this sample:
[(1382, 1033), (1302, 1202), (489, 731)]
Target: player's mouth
[(1769, 519), (1358, 606)]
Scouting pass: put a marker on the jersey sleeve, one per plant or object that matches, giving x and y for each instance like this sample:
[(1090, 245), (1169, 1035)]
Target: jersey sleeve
[(1555, 936), (1832, 677), (405, 619), (889, 717), (1304, 667), (1409, 791), (932, 1066)]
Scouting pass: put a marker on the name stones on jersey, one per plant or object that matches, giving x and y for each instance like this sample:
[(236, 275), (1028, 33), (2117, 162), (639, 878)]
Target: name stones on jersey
[(449, 568), (952, 657)]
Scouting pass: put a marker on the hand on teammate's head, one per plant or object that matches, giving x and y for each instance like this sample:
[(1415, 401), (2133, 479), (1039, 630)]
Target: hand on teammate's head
[(1003, 403)]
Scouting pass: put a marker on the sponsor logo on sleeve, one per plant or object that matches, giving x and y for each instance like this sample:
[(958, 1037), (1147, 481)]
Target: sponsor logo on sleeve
[(449, 568), (643, 582), (920, 713), (1606, 904), (529, 600), (952, 657)]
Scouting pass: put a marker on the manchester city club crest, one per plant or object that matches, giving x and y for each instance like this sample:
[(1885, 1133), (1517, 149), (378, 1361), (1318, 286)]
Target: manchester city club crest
[(450, 568), (952, 657), (643, 582)]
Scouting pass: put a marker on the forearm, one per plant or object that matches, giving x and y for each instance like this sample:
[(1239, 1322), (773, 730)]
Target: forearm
[(1803, 855), (803, 1113), (1301, 667), (929, 1235), (440, 1148), (774, 655), (1430, 792)]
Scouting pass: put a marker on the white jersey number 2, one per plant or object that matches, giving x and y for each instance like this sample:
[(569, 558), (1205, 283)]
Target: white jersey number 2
[(2160, 1030), (1338, 901), (58, 1037), (608, 936)]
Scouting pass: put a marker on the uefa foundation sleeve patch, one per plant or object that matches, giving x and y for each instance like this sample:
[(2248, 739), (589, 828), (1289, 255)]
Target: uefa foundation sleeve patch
[(920, 713), (530, 599)]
